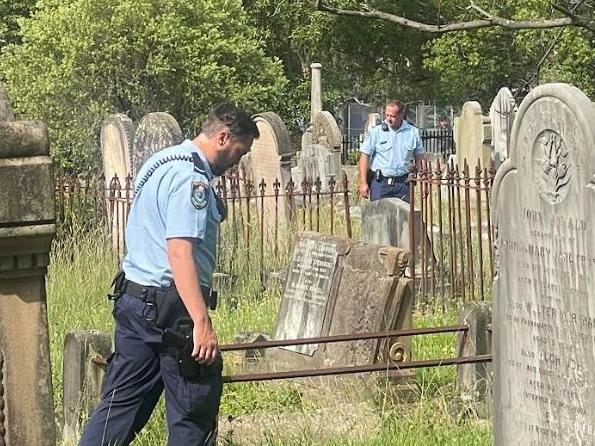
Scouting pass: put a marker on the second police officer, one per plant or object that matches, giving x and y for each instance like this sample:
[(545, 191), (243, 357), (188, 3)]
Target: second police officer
[(387, 155)]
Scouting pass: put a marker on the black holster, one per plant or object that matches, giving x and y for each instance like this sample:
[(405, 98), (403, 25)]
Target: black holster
[(178, 343)]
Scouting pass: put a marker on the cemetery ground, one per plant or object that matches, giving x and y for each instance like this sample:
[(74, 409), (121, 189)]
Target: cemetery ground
[(80, 272)]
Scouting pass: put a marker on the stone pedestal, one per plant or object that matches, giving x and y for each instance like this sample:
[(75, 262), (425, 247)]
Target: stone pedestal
[(26, 231)]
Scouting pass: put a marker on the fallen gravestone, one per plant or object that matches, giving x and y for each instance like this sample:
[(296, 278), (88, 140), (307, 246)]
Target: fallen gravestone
[(338, 286), (26, 232), (544, 290)]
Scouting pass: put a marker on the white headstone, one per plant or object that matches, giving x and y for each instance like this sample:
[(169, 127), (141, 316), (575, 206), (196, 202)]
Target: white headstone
[(473, 137), (544, 290), (116, 147), (502, 113)]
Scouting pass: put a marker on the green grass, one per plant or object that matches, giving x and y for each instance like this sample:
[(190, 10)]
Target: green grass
[(78, 281)]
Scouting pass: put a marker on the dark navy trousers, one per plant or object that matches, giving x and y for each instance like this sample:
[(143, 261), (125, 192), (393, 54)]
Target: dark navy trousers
[(381, 189), (137, 375)]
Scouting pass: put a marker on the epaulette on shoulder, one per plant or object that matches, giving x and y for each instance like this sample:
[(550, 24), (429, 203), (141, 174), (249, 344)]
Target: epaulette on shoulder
[(193, 158)]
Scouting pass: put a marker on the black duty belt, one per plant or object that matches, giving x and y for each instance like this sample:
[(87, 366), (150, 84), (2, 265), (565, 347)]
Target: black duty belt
[(153, 294), (390, 180)]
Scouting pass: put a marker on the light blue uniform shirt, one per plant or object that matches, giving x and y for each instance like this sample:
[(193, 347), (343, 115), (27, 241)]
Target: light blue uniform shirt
[(164, 208), (392, 151)]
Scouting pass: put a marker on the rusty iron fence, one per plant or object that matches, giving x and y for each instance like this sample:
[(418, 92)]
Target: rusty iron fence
[(451, 243), (454, 240)]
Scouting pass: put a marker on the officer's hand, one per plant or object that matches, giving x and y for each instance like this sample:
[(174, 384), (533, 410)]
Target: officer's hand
[(364, 190), (206, 347)]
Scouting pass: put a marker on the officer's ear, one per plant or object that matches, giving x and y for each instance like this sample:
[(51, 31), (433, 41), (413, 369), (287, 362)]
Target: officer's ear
[(223, 136)]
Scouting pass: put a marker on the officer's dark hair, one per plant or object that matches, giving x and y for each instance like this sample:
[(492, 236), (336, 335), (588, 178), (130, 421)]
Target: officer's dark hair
[(229, 115), (395, 103)]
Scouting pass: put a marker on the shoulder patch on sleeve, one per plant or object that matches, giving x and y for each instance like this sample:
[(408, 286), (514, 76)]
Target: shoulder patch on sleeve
[(200, 195)]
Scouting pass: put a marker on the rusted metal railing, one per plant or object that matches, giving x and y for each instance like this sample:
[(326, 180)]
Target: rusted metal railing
[(368, 368), (450, 242), (453, 234)]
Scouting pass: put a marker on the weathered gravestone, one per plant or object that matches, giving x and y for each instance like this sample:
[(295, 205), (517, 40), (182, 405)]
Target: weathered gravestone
[(502, 113), (116, 152), (337, 286), (155, 131), (387, 222), (26, 232), (116, 147), (544, 290), (270, 160), (320, 156), (473, 137)]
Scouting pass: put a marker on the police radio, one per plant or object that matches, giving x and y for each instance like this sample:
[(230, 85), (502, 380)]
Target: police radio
[(384, 126)]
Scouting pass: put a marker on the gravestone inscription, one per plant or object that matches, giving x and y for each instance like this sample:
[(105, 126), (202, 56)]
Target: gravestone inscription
[(307, 292), (337, 285), (544, 301)]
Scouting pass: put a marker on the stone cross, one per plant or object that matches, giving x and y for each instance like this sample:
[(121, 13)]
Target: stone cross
[(502, 113), (544, 290), (26, 232)]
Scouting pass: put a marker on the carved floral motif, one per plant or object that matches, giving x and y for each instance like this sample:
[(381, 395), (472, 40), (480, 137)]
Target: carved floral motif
[(552, 161)]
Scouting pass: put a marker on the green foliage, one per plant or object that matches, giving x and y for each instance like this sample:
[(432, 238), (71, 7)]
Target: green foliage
[(10, 13), (474, 65), (134, 56)]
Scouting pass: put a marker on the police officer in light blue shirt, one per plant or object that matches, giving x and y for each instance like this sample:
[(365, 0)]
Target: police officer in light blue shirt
[(387, 154), (164, 290)]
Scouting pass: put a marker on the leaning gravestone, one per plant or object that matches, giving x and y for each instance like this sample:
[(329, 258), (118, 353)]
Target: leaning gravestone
[(26, 232), (337, 286), (544, 290), (270, 160), (473, 137), (155, 131), (502, 113)]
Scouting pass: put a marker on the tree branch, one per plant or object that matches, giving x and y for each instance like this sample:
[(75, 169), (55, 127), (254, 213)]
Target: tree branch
[(488, 21)]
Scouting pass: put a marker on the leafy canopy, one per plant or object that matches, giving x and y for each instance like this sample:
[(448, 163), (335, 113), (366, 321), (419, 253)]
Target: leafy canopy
[(84, 59)]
